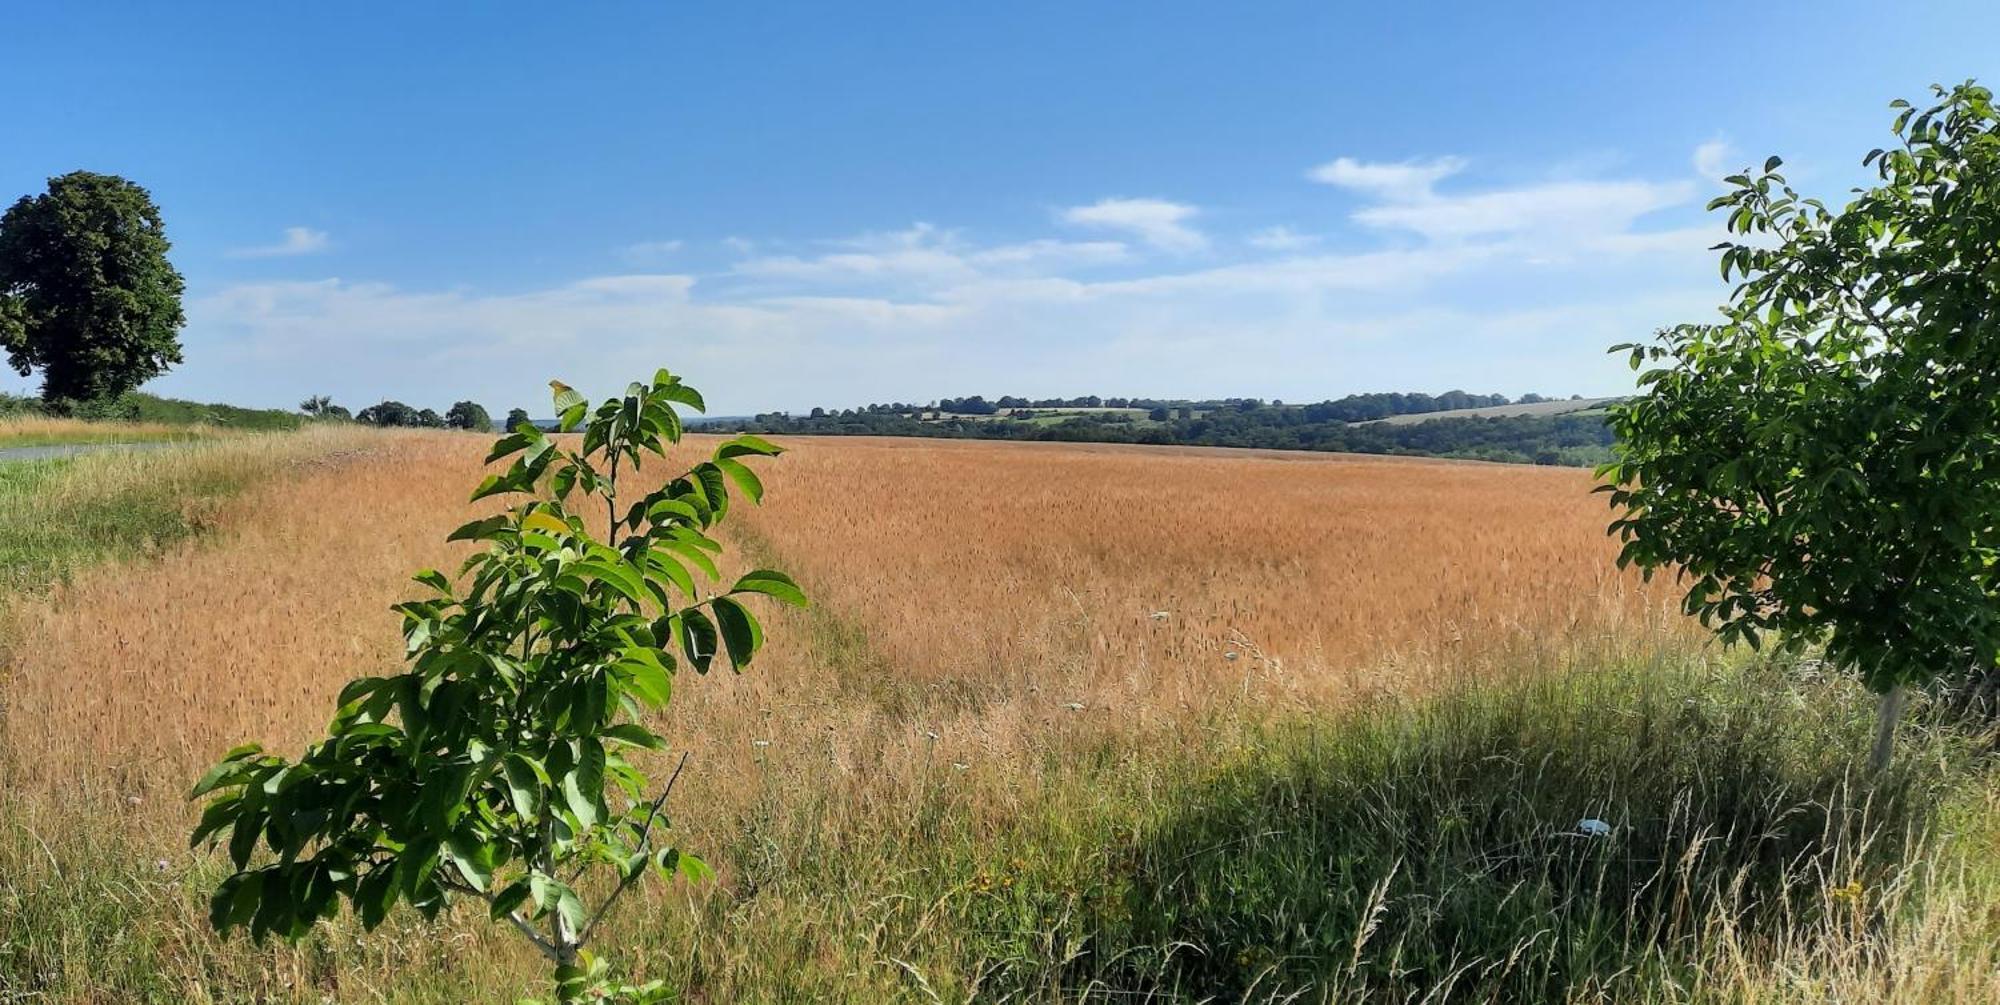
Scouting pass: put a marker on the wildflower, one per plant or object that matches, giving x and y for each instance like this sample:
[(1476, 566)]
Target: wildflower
[(1850, 893)]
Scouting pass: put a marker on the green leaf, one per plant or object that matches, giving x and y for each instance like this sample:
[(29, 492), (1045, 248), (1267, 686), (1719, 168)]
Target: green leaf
[(473, 857), (564, 397), (616, 574), (747, 444), (771, 583), (683, 394), (482, 529), (510, 444), (636, 735), (375, 895), (525, 782), (493, 485), (740, 631), (583, 786), (511, 896), (744, 478), (697, 637)]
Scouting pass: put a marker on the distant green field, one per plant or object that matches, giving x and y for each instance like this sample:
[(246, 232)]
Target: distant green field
[(174, 411), (134, 417)]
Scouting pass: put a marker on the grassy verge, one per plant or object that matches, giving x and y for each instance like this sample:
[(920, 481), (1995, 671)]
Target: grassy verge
[(60, 514), (35, 431), (1426, 852)]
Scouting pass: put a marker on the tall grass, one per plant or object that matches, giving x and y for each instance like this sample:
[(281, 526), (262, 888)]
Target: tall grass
[(61, 514), (37, 431), (1049, 804)]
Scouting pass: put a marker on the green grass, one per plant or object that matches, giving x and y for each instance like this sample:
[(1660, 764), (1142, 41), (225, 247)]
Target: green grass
[(1411, 852), (60, 514), (174, 411)]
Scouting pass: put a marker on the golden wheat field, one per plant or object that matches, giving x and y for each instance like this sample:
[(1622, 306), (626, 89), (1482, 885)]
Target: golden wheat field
[(997, 629), (999, 586)]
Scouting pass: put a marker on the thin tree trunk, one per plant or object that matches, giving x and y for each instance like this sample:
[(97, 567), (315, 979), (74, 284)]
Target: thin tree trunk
[(1888, 709)]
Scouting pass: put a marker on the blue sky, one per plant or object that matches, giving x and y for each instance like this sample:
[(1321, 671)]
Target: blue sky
[(799, 204)]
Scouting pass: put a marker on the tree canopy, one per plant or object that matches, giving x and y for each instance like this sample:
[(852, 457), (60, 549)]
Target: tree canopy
[(87, 295), (468, 415), (1822, 465)]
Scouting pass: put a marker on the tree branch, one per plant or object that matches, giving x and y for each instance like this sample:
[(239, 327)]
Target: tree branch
[(645, 832), (526, 928)]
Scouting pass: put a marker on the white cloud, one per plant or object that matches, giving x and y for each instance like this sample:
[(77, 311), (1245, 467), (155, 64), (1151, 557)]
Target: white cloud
[(1158, 222), (298, 241), (1711, 159), (1405, 197), (927, 254), (1405, 181), (652, 250), (1576, 209), (1280, 238), (1509, 288)]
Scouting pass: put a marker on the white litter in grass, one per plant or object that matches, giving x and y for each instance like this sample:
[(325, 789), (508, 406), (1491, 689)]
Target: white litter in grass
[(1593, 827), (1160, 615)]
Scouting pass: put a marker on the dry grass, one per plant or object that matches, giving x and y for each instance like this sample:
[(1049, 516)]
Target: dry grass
[(1137, 572), (985, 662), (26, 431), (140, 670)]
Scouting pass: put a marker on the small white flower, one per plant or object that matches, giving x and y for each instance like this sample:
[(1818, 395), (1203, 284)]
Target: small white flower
[(760, 743)]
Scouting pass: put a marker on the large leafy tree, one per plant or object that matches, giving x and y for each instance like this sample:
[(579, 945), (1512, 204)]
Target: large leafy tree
[(87, 295), (468, 415), (1822, 465), (390, 413), (506, 761)]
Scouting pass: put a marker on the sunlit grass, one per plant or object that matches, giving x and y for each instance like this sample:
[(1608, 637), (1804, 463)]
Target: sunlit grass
[(37, 431), (907, 801)]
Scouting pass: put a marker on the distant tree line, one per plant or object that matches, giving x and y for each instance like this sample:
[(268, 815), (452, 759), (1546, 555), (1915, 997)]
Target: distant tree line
[(1336, 425), (469, 415), (1353, 408)]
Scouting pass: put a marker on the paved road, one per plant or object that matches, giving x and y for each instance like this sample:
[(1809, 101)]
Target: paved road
[(68, 449)]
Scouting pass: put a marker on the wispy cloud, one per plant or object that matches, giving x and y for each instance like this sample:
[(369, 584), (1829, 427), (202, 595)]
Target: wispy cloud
[(1280, 238), (1440, 282), (1573, 208), (926, 253), (298, 241), (1404, 197), (643, 251), (1711, 159), (1157, 222), (1405, 181)]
